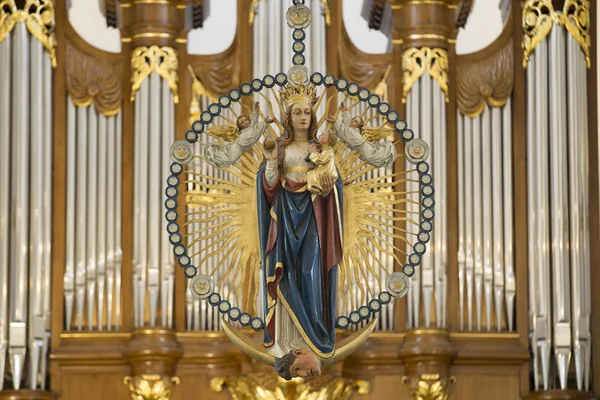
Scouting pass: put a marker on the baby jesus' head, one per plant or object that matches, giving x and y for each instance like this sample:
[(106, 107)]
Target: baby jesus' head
[(298, 363), (357, 122), (243, 122), (327, 138)]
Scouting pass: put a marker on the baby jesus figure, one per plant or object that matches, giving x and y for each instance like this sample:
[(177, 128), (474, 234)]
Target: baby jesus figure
[(323, 156)]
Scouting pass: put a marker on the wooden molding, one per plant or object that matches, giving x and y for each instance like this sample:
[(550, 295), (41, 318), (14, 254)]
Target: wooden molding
[(93, 75), (486, 77), (27, 394), (559, 395)]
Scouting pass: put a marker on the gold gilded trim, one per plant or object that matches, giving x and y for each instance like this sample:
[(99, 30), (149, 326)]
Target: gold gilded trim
[(539, 17), (300, 328), (252, 13), (163, 35), (296, 169), (95, 335), (162, 60), (416, 61), (420, 2), (165, 2), (38, 16), (151, 387)]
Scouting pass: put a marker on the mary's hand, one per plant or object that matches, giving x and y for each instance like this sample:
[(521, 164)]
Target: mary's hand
[(331, 118), (270, 154), (327, 185)]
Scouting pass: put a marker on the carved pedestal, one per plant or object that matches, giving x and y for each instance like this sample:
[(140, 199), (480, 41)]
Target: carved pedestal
[(153, 355), (559, 395), (427, 354), (27, 395)]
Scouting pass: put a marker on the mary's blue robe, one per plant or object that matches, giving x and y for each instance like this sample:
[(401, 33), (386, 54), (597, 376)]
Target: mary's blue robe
[(301, 245)]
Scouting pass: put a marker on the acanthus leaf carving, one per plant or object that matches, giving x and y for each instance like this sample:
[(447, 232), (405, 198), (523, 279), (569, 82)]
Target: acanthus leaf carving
[(93, 79)]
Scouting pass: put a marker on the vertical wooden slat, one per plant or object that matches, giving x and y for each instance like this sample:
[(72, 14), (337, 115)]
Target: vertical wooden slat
[(127, 193), (452, 195), (594, 199), (519, 150)]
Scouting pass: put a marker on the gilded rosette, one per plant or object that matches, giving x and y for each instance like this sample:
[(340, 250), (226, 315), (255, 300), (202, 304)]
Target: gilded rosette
[(539, 16), (162, 60), (415, 61), (38, 16)]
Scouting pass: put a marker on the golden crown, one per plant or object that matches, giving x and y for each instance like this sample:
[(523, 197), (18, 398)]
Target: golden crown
[(298, 94)]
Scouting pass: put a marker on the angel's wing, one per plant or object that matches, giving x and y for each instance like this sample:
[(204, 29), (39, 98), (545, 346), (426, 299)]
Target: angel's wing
[(226, 132), (375, 134)]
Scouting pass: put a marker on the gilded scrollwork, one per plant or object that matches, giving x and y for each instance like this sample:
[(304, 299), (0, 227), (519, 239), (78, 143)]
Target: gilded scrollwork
[(539, 16), (162, 60), (415, 61), (485, 81), (150, 387), (258, 386), (90, 79), (38, 16)]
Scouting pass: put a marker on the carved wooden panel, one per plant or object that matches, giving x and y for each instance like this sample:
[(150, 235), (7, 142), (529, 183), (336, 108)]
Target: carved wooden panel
[(365, 69), (486, 77), (93, 75), (218, 72)]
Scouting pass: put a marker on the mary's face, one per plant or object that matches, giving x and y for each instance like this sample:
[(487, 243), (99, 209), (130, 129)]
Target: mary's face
[(301, 116)]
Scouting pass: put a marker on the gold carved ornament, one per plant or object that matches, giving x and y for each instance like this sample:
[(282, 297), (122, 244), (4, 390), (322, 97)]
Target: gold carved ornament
[(430, 387), (150, 387), (90, 79), (539, 16), (38, 16), (146, 60), (265, 386), (416, 61)]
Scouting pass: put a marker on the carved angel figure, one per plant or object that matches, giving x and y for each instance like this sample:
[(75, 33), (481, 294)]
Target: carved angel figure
[(350, 131), (248, 131)]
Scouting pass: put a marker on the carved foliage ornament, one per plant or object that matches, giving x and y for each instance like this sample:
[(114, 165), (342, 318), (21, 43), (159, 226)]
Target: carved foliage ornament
[(487, 81), (38, 16), (150, 387), (90, 79), (258, 386), (416, 61), (162, 60), (429, 387), (539, 16)]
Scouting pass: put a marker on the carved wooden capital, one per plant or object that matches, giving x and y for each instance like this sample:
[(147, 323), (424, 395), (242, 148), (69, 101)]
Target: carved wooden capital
[(486, 77), (153, 352), (148, 23), (93, 76), (428, 354), (420, 23)]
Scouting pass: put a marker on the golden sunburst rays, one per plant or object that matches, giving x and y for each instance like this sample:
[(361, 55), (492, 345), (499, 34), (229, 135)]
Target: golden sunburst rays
[(221, 231), (379, 225)]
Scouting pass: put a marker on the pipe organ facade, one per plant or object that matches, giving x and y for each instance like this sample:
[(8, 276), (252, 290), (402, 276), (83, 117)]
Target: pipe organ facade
[(94, 301)]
